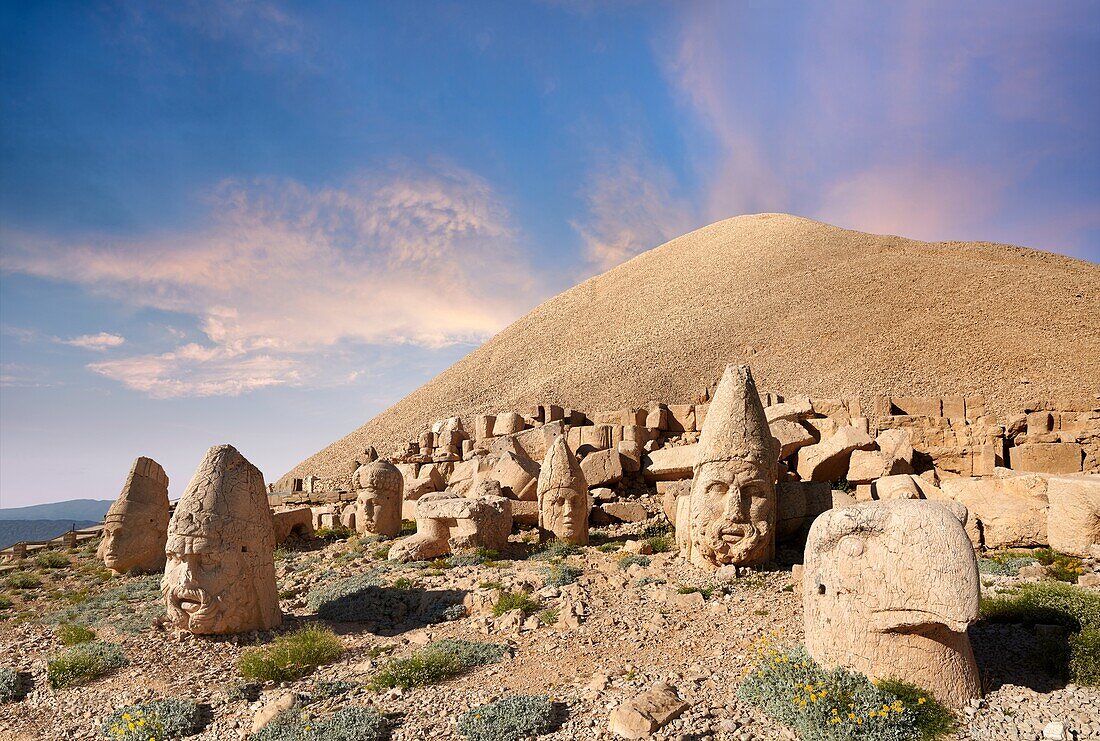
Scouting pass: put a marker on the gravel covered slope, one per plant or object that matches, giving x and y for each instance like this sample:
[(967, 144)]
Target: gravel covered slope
[(813, 308)]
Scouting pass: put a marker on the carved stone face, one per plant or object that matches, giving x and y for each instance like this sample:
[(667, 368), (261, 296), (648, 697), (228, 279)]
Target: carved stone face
[(564, 512), (207, 586), (378, 502), (732, 512), (131, 544)]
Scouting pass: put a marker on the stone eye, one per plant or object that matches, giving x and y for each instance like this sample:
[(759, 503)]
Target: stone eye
[(852, 546)]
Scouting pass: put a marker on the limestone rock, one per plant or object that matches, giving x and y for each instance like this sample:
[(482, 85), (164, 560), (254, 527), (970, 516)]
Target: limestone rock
[(429, 479), (1073, 519), (563, 495), (293, 523), (220, 572), (1005, 511), (791, 411), (518, 475), (1047, 457), (625, 511), (670, 463), (507, 423), (902, 486), (828, 460), (446, 522), (271, 710), (135, 528), (647, 712), (889, 589), (791, 436), (799, 503), (602, 468)]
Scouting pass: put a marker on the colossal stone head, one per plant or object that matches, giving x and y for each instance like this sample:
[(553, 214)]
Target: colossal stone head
[(888, 589), (378, 502), (732, 512), (220, 574), (563, 494), (136, 526)]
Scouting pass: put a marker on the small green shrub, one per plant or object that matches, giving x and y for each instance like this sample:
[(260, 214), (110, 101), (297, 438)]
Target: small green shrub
[(1003, 566), (52, 560), (324, 689), (1045, 602), (380, 554), (490, 585), (1059, 565), (403, 583), (509, 601), (332, 534), (609, 547), (839, 705), (408, 527), (244, 692), (129, 607), (509, 719), (549, 616), (660, 544), (291, 656), (346, 724), (5, 602), (555, 549), (70, 634), (11, 686), (476, 557), (692, 589), (23, 580), (436, 662), (158, 719), (364, 598), (561, 574), (84, 663), (656, 529), (643, 581), (1084, 657), (631, 560)]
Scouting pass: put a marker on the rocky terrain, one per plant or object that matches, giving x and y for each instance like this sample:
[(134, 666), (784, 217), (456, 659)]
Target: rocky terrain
[(814, 309), (592, 644)]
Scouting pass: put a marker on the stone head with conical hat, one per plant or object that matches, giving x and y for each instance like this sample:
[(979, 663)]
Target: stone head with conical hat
[(563, 494), (136, 526), (732, 505), (378, 499), (220, 570)]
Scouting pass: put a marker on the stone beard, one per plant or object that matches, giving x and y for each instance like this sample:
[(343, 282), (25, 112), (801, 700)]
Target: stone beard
[(212, 587), (732, 511), (564, 512)]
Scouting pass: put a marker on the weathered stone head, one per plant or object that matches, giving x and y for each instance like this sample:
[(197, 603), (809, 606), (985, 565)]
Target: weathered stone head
[(563, 494), (732, 509), (888, 590), (220, 574), (136, 526), (378, 502)]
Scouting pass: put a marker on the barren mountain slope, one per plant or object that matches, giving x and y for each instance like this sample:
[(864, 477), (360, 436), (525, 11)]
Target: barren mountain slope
[(813, 308)]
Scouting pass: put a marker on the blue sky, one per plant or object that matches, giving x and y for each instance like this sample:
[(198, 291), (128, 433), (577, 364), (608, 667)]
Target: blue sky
[(264, 222)]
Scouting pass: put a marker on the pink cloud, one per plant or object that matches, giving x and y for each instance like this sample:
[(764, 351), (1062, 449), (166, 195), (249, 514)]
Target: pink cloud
[(285, 273)]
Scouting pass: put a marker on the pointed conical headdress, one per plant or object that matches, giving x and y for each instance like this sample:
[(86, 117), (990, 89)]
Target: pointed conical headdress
[(736, 427), (226, 502), (144, 493), (560, 469)]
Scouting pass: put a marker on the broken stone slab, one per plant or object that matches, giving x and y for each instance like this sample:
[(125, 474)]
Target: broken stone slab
[(624, 511), (507, 423), (791, 411), (799, 502), (602, 468), (791, 436), (518, 475), (647, 712), (894, 456), (670, 463), (1047, 457), (1005, 512), (1073, 519), (829, 459)]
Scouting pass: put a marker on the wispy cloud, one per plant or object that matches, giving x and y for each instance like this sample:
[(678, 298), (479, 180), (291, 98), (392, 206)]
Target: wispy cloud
[(285, 273), (100, 341), (631, 206)]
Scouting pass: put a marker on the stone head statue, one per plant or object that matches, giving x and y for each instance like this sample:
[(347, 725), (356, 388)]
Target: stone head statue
[(731, 510), (136, 526), (220, 573), (889, 588), (378, 501), (563, 494)]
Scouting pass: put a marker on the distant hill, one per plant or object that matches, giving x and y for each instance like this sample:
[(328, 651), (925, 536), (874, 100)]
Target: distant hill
[(13, 531), (814, 310), (77, 509)]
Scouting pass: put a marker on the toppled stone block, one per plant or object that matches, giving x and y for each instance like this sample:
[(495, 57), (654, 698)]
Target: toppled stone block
[(518, 476), (1047, 457), (917, 406), (1005, 512), (630, 453), (446, 522), (681, 418), (294, 523), (791, 411), (657, 418), (798, 503), (483, 426), (507, 423), (1073, 519), (670, 463), (900, 486), (828, 460), (647, 712), (791, 436), (624, 511), (602, 468)]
